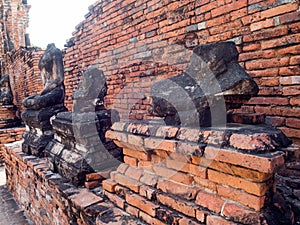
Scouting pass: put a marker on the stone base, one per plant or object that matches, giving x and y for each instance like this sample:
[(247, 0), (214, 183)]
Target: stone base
[(41, 118), (80, 146), (35, 144), (48, 198)]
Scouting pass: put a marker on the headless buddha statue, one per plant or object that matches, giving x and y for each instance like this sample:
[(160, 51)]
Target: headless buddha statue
[(52, 72)]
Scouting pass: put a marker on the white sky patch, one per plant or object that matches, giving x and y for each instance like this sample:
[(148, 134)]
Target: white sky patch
[(53, 21)]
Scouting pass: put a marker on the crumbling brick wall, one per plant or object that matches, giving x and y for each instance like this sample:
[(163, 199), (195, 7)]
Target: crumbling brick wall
[(25, 78), (14, 21), (137, 43)]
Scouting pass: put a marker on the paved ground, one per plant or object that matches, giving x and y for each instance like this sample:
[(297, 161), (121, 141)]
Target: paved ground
[(10, 213)]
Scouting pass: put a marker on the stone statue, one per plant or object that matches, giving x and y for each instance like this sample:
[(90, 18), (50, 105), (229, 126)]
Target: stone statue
[(6, 97), (52, 72), (213, 83), (80, 146), (91, 92), (41, 107)]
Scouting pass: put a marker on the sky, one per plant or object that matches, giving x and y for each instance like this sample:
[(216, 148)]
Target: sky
[(54, 21)]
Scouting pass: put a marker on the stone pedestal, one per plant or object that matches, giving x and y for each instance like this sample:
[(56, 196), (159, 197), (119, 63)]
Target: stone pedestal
[(39, 129), (194, 176), (80, 147)]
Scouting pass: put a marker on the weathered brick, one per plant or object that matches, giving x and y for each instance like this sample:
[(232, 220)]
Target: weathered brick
[(263, 163), (251, 187), (279, 10), (177, 204), (132, 184), (241, 197), (167, 145), (212, 220), (240, 171), (210, 201), (134, 173), (142, 204), (109, 185), (173, 175), (241, 214), (131, 161), (115, 199), (183, 191)]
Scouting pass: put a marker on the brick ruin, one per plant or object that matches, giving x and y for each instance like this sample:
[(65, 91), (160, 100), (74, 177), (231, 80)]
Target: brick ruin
[(169, 174)]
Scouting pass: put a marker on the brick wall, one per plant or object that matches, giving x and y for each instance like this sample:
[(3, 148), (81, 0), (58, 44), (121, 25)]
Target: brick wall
[(25, 78), (48, 198), (139, 42), (14, 21), (8, 136)]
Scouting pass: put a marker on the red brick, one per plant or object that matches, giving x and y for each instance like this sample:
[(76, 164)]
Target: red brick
[(213, 220), (279, 10), (200, 215), (150, 220), (240, 171), (186, 221), (271, 72), (291, 70), (167, 145), (210, 201), (266, 34), (283, 41), (265, 164), (132, 210), (131, 161), (149, 179), (134, 173), (136, 154), (187, 168), (290, 80), (278, 111), (290, 132), (132, 184), (93, 176), (92, 184), (109, 185), (205, 183), (291, 91), (291, 50), (251, 47), (289, 17), (295, 101), (266, 63), (85, 198), (229, 7), (122, 168), (262, 24), (251, 187), (268, 101), (142, 204), (177, 189), (241, 214), (173, 175), (241, 197), (115, 199), (177, 204)]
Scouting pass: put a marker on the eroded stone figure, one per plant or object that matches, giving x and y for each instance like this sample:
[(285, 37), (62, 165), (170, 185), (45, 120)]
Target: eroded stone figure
[(82, 147), (52, 72), (6, 97), (41, 107), (213, 83)]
